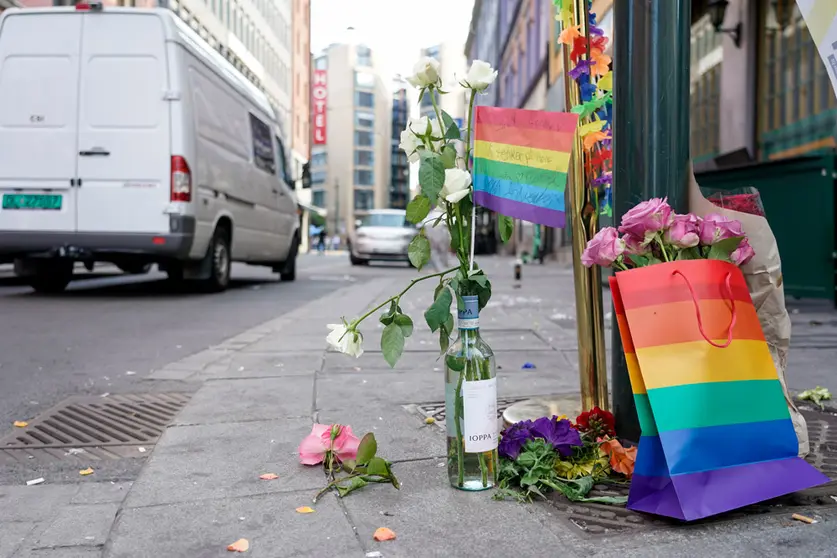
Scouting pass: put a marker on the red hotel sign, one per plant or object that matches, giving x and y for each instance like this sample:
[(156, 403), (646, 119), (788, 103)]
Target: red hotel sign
[(319, 94)]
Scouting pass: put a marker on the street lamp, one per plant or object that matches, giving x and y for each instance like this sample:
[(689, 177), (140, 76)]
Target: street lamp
[(783, 13), (717, 13)]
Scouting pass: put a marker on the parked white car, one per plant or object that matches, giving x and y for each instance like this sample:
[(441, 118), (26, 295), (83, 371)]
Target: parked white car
[(126, 138), (382, 235)]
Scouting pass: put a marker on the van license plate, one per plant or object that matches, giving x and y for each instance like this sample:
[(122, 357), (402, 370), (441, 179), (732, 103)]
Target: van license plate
[(32, 201)]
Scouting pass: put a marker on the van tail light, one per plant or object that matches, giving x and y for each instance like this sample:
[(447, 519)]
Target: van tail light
[(181, 180)]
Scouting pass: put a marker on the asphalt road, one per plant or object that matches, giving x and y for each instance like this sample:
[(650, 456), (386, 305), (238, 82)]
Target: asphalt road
[(106, 333)]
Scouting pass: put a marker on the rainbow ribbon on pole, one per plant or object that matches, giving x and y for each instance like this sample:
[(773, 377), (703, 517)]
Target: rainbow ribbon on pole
[(521, 158)]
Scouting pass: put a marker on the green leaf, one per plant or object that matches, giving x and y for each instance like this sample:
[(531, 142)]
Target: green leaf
[(392, 343), (405, 323), (451, 129), (387, 317), (448, 324), (367, 448), (484, 294), (506, 228), (689, 254), (419, 251), (444, 334), (392, 477), (349, 465), (455, 363), (418, 209), (377, 466), (431, 174), (454, 238), (480, 279), (439, 312), (449, 156), (355, 483), (723, 248)]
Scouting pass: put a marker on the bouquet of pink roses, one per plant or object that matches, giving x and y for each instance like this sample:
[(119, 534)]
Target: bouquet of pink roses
[(651, 233)]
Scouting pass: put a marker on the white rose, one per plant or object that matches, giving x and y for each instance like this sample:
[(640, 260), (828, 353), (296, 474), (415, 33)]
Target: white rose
[(480, 75), (419, 126), (436, 129), (457, 185), (425, 72), (344, 340), (410, 144)]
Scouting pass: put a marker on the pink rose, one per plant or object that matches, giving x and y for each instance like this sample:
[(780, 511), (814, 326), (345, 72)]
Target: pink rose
[(635, 246), (717, 227), (646, 219), (684, 231), (743, 254), (604, 248), (335, 439)]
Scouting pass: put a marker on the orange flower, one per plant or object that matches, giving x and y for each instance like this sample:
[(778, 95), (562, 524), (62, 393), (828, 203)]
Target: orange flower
[(622, 460), (601, 62), (569, 34), (593, 138)]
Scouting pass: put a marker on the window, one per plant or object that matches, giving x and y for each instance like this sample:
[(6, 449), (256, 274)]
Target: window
[(364, 157), (364, 56), (364, 200), (364, 119), (321, 63), (364, 177), (383, 219), (263, 154), (318, 177), (364, 99), (364, 79), (318, 198), (283, 169), (707, 57), (364, 138), (319, 159)]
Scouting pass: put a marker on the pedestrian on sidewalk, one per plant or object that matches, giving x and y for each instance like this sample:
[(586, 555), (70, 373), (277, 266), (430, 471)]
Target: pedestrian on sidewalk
[(321, 241)]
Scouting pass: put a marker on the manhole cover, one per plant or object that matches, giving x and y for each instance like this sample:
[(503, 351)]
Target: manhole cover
[(88, 428), (437, 410)]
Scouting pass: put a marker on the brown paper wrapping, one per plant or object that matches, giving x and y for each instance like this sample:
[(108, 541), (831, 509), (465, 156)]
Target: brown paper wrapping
[(764, 278)]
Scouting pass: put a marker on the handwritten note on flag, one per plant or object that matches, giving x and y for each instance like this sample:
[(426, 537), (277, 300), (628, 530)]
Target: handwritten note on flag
[(821, 18), (521, 158)]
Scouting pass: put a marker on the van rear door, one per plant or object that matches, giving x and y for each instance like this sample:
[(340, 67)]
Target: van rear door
[(39, 71), (124, 155)]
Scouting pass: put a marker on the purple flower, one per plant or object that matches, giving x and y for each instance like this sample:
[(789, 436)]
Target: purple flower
[(606, 178), (582, 68), (558, 433), (513, 438)]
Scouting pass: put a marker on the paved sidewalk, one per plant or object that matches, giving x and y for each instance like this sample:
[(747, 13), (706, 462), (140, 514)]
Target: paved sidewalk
[(261, 391)]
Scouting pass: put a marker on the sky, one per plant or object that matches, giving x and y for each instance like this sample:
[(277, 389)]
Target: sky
[(396, 30)]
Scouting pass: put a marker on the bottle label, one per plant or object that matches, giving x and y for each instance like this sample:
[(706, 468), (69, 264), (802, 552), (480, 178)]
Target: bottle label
[(469, 315), (480, 410)]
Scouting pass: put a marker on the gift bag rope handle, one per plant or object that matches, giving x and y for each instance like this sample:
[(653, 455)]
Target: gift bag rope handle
[(727, 284)]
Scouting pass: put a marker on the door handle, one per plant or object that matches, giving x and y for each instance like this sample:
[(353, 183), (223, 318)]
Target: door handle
[(94, 151), (277, 191)]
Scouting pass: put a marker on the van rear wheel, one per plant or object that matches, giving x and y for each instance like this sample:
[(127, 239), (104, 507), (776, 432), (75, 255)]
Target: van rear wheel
[(220, 262), (288, 271), (52, 278)]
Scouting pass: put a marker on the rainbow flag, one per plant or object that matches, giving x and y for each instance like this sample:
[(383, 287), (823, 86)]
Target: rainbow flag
[(716, 431), (521, 158)]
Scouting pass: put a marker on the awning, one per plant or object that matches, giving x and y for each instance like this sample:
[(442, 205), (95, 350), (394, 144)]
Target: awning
[(313, 209)]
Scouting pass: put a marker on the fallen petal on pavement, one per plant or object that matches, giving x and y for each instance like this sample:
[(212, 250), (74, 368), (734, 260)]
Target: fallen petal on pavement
[(241, 545), (85, 472), (21, 423), (384, 534), (304, 509), (269, 476)]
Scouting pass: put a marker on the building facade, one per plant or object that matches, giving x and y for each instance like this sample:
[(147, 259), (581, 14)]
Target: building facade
[(301, 108), (350, 169), (399, 183)]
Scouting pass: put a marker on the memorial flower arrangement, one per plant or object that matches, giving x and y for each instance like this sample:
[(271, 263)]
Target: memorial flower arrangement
[(651, 233), (554, 454)]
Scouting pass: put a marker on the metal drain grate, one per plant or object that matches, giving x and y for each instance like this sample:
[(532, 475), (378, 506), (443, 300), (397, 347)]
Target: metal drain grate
[(437, 410), (94, 428)]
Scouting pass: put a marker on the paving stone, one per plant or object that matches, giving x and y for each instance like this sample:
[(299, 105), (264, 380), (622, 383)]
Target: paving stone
[(33, 503), (13, 535), (101, 492), (79, 525)]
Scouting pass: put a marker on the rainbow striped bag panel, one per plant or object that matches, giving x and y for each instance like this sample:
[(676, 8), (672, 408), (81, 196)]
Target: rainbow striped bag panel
[(716, 430)]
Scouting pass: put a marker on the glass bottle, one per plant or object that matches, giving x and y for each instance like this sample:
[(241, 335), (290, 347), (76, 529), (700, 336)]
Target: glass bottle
[(471, 405)]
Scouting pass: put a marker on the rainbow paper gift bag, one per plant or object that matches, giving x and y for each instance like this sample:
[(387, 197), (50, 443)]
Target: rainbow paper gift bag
[(716, 431)]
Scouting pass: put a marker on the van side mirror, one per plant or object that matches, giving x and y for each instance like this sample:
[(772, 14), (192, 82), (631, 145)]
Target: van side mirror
[(306, 175)]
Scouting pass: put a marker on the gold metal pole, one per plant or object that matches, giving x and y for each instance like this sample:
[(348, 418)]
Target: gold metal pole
[(583, 221)]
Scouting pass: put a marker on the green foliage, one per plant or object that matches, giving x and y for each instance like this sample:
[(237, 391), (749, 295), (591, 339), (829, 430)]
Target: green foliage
[(431, 174), (392, 343), (449, 156), (367, 468), (506, 228), (451, 129), (419, 251), (418, 209), (439, 312), (722, 249)]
